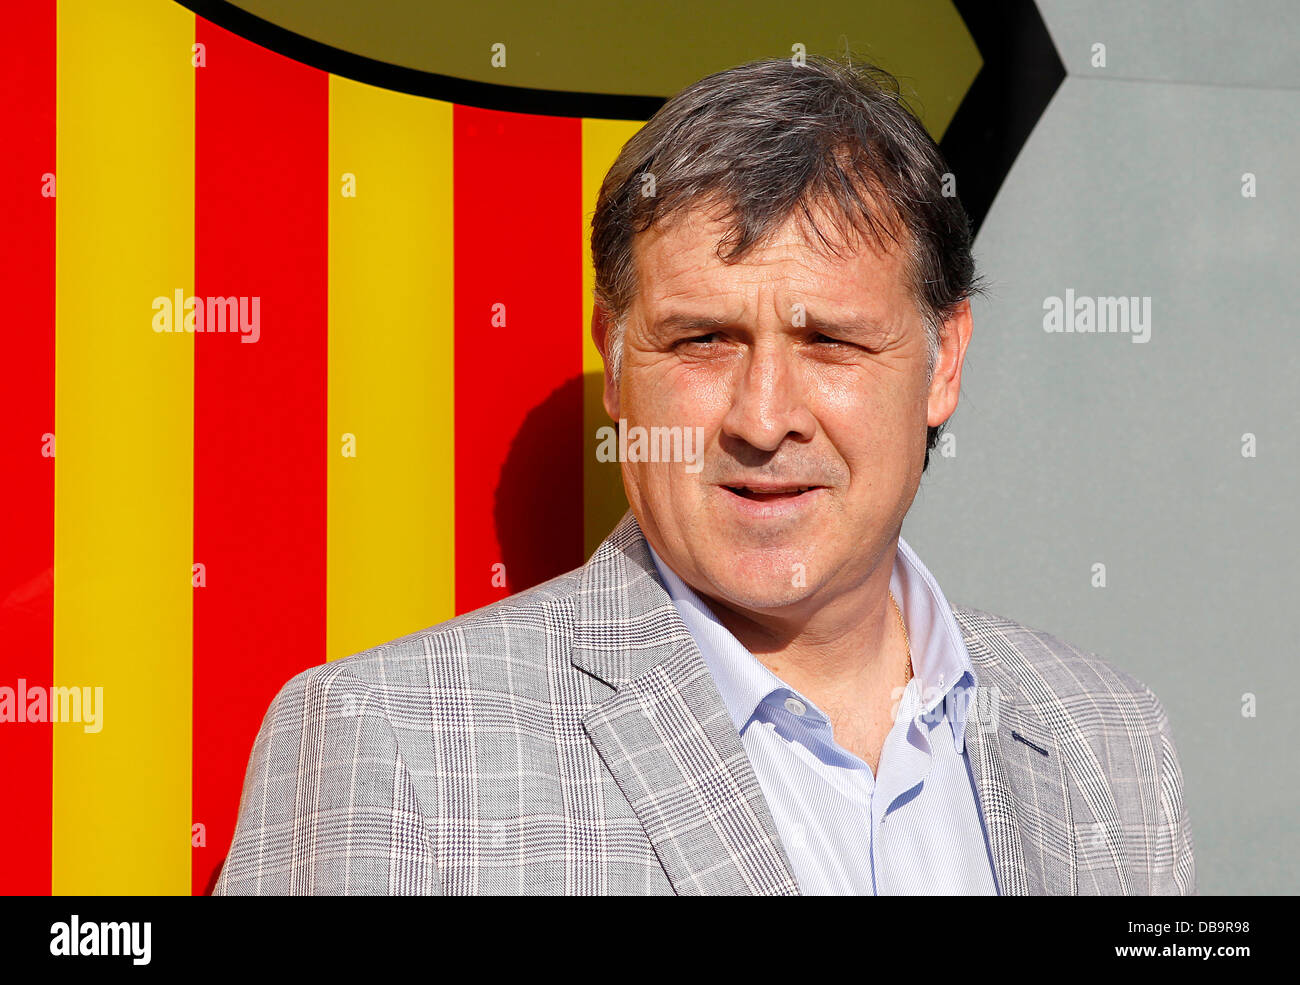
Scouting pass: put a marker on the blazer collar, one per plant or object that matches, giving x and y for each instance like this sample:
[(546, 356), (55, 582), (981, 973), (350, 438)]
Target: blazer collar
[(1037, 775), (665, 735), (1018, 781), (667, 738)]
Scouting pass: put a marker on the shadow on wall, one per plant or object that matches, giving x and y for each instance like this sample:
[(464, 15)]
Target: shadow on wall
[(554, 502)]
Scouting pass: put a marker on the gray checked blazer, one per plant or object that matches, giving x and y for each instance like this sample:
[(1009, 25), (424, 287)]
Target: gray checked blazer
[(570, 740)]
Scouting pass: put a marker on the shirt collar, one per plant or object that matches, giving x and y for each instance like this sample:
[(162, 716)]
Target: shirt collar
[(940, 661)]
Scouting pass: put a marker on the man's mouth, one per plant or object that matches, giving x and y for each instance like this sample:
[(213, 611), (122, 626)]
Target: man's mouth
[(765, 493)]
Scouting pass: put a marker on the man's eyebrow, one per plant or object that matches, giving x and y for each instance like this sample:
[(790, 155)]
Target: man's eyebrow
[(680, 321), (847, 326), (853, 325)]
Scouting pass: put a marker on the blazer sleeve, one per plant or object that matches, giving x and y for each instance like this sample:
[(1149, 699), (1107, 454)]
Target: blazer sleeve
[(328, 806), (1174, 865)]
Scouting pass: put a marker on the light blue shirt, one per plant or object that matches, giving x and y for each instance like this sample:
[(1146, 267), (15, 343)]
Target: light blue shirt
[(914, 829)]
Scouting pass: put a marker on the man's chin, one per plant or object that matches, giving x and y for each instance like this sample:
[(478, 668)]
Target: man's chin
[(760, 587)]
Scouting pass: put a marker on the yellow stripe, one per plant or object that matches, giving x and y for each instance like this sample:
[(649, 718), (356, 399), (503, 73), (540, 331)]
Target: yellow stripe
[(391, 554), (124, 426), (604, 500)]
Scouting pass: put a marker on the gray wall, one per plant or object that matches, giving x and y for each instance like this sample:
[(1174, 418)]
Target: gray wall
[(1074, 449)]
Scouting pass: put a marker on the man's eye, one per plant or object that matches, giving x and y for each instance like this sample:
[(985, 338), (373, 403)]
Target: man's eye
[(820, 337), (699, 338)]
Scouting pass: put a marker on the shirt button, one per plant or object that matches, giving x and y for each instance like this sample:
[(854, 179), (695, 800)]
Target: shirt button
[(794, 706)]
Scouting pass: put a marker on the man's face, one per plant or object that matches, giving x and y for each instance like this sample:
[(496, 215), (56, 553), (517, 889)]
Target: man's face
[(803, 369)]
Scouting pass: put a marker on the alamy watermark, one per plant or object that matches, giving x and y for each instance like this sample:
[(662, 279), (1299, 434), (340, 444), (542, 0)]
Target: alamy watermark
[(74, 938), (1084, 314), (653, 444), (39, 704), (242, 315), (977, 705)]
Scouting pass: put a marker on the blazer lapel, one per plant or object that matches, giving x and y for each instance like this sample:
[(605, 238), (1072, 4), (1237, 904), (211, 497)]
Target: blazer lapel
[(665, 734), (1019, 773), (666, 738)]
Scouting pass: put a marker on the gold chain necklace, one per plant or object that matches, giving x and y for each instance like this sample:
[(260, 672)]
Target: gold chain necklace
[(908, 643)]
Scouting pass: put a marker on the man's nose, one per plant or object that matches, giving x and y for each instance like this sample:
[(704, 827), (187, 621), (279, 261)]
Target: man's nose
[(769, 403)]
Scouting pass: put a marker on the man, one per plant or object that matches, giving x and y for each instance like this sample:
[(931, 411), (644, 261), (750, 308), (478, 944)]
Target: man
[(754, 685)]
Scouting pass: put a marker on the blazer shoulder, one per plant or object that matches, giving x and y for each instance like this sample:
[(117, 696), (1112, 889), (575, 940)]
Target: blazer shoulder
[(513, 629), (1117, 715), (1069, 671)]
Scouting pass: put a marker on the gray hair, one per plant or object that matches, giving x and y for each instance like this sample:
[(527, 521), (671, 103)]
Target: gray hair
[(771, 137)]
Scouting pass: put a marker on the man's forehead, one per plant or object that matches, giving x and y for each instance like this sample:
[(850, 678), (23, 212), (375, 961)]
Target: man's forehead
[(680, 259)]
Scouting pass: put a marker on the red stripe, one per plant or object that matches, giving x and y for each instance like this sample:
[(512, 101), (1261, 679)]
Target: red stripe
[(27, 115), (518, 237), (261, 221)]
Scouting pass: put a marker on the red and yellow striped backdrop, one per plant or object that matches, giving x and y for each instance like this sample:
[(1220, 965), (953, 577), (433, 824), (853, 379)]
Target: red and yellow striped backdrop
[(419, 408)]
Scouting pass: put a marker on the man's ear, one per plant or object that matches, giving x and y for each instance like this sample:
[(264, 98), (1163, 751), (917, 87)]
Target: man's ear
[(945, 385), (600, 329)]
